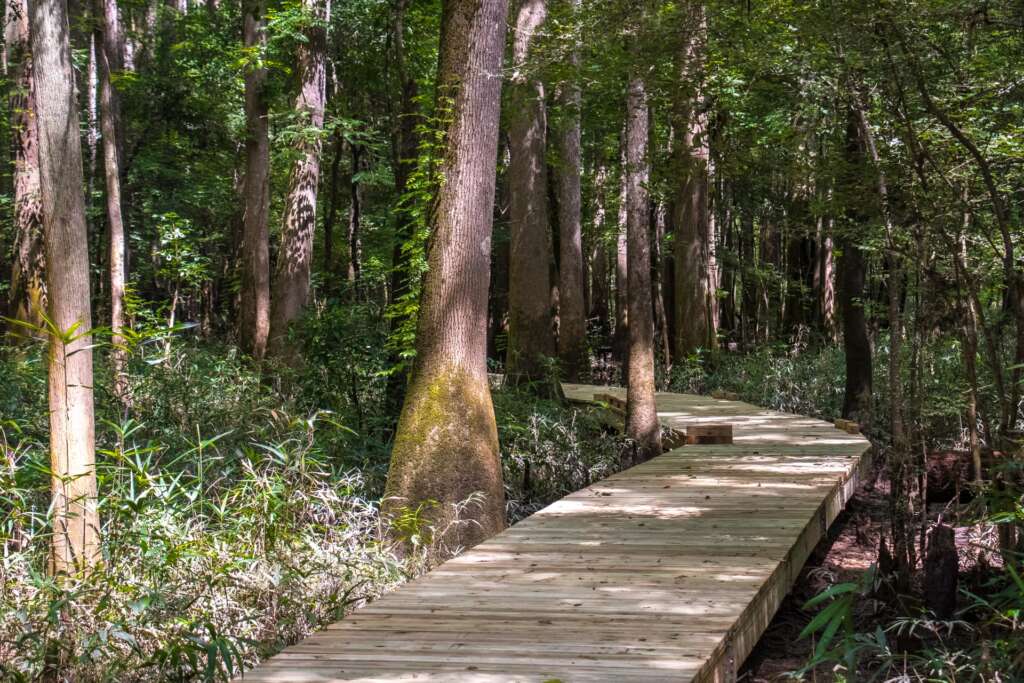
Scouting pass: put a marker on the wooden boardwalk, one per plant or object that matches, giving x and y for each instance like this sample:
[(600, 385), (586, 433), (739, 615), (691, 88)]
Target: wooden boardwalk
[(670, 571)]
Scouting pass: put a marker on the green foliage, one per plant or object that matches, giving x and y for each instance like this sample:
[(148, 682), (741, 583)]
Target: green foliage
[(213, 556), (549, 450)]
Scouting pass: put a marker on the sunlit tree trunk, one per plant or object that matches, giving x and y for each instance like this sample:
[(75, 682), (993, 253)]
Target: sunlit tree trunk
[(294, 261), (446, 446), (531, 337), (254, 323), (109, 55), (642, 424), (28, 273), (572, 327), (76, 521)]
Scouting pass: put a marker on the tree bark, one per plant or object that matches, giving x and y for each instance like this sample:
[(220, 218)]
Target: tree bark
[(75, 544), (693, 247), (405, 147), (28, 299), (337, 148), (109, 55), (642, 424), (620, 341), (857, 346), (355, 222), (254, 323), (295, 258), (572, 327), (446, 446), (531, 337)]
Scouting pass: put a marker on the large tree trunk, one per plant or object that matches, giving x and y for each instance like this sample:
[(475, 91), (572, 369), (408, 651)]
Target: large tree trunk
[(857, 401), (294, 261), (642, 424), (109, 53), (76, 522), (694, 241), (446, 447), (572, 315), (254, 323), (28, 274), (531, 337)]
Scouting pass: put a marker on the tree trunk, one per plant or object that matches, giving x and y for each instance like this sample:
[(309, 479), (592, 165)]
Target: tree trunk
[(109, 53), (531, 337), (75, 543), (694, 247), (355, 220), (572, 327), (28, 275), (337, 148), (620, 342), (446, 447), (295, 258), (857, 346), (405, 149), (254, 324), (642, 424), (748, 283)]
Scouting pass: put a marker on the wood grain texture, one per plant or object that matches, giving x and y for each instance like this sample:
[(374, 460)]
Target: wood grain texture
[(670, 571)]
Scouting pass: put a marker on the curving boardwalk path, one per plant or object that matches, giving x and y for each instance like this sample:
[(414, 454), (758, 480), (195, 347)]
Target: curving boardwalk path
[(669, 571)]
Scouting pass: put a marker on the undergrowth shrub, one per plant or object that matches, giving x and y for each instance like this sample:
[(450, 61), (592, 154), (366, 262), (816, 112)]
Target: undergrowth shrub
[(549, 450), (212, 559)]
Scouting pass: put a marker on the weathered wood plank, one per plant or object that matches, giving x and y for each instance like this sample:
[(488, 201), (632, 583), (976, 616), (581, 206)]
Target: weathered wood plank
[(669, 571)]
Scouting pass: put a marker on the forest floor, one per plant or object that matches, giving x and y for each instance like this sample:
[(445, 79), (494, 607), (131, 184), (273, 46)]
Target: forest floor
[(849, 549)]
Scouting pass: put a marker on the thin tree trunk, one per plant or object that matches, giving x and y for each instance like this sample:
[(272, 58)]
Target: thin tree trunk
[(857, 401), (295, 259), (254, 324), (446, 447), (405, 149), (76, 521), (620, 342), (658, 270), (642, 424), (355, 220), (330, 220), (748, 284), (572, 328), (531, 336), (109, 55), (28, 274)]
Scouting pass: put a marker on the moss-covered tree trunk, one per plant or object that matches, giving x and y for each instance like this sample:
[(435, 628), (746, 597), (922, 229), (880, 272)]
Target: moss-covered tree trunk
[(642, 424), (254, 318), (446, 447), (294, 261), (531, 335), (28, 272), (76, 520)]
